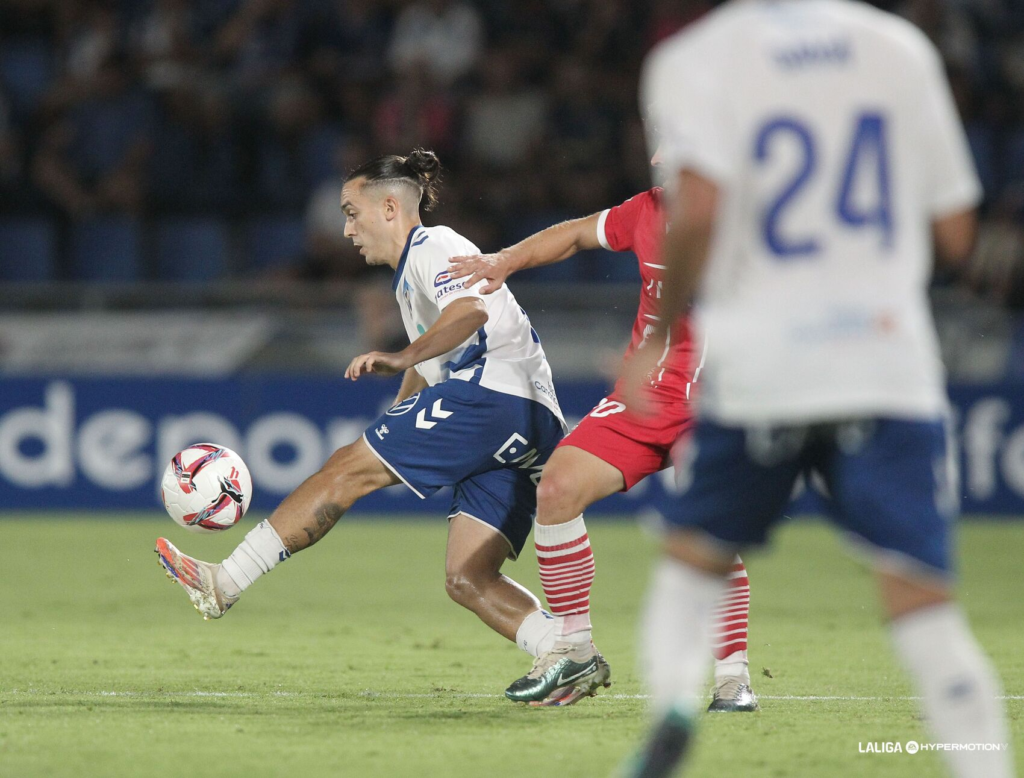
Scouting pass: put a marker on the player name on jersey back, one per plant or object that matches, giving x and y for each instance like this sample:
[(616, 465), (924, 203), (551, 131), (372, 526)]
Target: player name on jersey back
[(504, 355), (831, 132)]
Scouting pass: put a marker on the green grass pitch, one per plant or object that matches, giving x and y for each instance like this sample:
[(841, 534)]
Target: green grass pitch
[(350, 661)]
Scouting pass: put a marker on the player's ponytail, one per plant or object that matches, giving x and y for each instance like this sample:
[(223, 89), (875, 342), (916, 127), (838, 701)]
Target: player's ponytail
[(420, 170), (426, 167)]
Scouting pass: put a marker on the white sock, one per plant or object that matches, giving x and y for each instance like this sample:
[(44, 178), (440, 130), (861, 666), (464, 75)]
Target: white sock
[(733, 666), (536, 635), (677, 635), (259, 553), (959, 688)]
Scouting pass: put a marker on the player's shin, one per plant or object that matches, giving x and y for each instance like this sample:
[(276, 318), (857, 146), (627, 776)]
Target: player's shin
[(536, 634), (729, 634), (567, 573), (676, 637), (303, 518), (259, 553), (959, 689)]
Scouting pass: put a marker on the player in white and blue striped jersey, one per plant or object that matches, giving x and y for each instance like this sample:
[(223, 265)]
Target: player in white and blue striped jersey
[(476, 411)]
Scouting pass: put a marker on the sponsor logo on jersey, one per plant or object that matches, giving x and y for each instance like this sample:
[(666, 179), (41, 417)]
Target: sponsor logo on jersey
[(548, 391), (447, 289), (442, 278)]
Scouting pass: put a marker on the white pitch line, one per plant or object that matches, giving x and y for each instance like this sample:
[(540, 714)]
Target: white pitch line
[(369, 693), (808, 698)]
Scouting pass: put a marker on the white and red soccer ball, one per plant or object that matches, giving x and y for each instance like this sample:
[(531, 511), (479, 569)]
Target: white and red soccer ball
[(206, 488)]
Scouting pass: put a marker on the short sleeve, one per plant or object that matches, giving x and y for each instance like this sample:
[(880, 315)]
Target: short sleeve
[(432, 274), (616, 226), (684, 101), (952, 181)]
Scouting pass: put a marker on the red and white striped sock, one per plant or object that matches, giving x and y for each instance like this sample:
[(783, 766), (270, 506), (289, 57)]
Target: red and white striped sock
[(731, 619), (566, 574)]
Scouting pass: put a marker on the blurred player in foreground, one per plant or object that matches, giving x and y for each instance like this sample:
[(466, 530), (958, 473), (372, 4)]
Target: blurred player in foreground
[(814, 154), (476, 411), (613, 449)]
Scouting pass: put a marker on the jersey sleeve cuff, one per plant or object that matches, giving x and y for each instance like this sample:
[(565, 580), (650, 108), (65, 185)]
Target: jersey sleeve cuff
[(602, 238), (965, 197)]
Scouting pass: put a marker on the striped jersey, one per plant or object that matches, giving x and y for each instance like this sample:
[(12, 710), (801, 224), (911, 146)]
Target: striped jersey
[(505, 354)]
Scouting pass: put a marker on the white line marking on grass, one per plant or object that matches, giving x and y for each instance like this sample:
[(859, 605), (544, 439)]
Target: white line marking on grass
[(785, 697), (371, 694)]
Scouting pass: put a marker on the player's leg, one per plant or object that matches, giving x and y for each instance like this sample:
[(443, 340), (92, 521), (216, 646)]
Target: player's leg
[(475, 554), (959, 688), (707, 523), (303, 518), (887, 481), (732, 692), (573, 480), (600, 457), (571, 667)]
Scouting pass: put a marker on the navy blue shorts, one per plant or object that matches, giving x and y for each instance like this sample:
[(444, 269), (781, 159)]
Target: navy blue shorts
[(487, 445), (891, 483)]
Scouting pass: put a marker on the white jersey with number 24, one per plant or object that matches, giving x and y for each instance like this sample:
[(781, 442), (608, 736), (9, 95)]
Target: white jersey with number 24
[(831, 133)]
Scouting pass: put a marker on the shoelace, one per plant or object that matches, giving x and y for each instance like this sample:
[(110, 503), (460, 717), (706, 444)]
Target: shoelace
[(729, 690), (542, 663)]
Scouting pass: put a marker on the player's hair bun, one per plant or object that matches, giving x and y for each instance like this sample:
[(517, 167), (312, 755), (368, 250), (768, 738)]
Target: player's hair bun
[(420, 169), (426, 168)]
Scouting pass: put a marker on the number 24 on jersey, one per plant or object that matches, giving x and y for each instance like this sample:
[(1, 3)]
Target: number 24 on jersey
[(867, 156)]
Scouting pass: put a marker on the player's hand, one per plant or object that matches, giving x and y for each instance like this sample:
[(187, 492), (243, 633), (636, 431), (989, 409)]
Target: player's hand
[(492, 268), (636, 381), (378, 362)]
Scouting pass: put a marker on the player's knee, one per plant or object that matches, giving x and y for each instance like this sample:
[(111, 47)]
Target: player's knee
[(461, 588), (558, 493), (349, 479)]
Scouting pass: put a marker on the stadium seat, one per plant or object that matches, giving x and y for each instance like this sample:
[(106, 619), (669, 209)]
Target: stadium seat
[(273, 241), (106, 249), (26, 69), (192, 249), (27, 250)]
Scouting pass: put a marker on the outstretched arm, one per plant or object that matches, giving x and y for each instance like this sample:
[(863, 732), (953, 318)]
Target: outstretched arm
[(546, 247), (456, 324)]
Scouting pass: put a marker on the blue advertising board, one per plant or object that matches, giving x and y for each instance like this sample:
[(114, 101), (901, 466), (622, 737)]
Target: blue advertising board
[(102, 444)]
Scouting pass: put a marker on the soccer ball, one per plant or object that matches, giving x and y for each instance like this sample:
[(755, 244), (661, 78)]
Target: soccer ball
[(206, 488)]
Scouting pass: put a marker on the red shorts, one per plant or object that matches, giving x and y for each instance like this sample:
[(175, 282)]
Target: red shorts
[(635, 446)]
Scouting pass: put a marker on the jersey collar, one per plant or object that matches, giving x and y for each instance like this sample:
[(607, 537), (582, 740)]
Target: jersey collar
[(401, 262)]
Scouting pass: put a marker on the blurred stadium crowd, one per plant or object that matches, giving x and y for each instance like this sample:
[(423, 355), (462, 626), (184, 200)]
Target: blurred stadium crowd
[(197, 139)]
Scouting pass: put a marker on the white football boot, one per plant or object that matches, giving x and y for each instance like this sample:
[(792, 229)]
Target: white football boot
[(733, 695), (197, 578)]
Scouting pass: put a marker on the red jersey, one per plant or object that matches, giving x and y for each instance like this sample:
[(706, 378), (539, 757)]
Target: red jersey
[(638, 225)]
